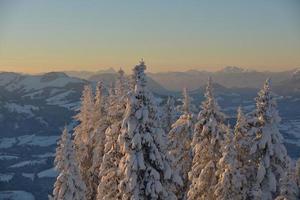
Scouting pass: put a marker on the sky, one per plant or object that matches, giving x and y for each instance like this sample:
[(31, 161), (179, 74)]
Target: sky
[(170, 35)]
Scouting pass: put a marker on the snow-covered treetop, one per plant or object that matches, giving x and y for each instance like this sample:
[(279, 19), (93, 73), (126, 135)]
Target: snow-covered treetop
[(266, 106), (186, 101), (241, 121), (121, 72), (121, 84), (210, 106), (64, 147), (139, 76), (87, 104), (99, 95)]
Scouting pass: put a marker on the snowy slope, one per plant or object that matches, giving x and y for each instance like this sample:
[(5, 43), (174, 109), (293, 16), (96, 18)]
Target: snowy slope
[(16, 195)]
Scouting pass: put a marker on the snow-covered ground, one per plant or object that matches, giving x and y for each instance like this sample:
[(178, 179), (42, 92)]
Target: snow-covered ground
[(30, 83), (60, 99), (28, 163), (28, 140), (6, 177), (45, 155), (292, 127), (28, 175), (34, 140), (16, 195), (7, 142), (21, 109), (48, 173), (8, 157)]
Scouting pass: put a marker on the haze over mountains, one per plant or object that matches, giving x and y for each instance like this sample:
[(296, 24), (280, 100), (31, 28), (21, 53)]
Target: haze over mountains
[(231, 77)]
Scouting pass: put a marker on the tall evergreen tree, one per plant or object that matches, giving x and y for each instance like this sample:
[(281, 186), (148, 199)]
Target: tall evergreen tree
[(230, 183), (143, 166), (207, 141), (68, 185), (97, 140), (83, 134), (243, 136), (269, 153), (179, 148), (169, 114), (122, 85), (109, 171)]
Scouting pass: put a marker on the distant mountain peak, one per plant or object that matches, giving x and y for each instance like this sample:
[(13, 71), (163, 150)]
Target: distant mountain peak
[(104, 71), (296, 73), (50, 76), (232, 69)]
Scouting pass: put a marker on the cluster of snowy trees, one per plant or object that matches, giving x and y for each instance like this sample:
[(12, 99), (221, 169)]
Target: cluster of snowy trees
[(128, 147)]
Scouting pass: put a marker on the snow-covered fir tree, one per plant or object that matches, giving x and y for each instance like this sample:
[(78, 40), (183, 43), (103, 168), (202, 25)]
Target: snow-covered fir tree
[(179, 147), (269, 153), (109, 171), (144, 166), (83, 134), (230, 183), (187, 103), (169, 114), (97, 140), (207, 141), (68, 185), (122, 85), (243, 137), (288, 185)]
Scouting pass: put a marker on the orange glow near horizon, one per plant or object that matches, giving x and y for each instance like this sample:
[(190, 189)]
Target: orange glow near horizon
[(43, 36)]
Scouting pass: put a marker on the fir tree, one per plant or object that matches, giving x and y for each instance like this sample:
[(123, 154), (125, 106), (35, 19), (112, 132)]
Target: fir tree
[(83, 134), (68, 185), (243, 136), (109, 171), (97, 140), (269, 153), (187, 103), (206, 144), (122, 85), (230, 184), (144, 167), (168, 115), (179, 148)]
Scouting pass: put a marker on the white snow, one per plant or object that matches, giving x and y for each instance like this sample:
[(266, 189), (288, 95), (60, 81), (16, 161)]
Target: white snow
[(291, 127), (45, 155), (48, 173), (8, 157), (31, 83), (6, 177), (16, 195), (28, 162), (33, 140), (60, 99), (28, 175), (6, 78), (21, 109), (7, 142)]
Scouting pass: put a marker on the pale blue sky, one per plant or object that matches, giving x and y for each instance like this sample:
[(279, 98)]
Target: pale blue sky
[(40, 35)]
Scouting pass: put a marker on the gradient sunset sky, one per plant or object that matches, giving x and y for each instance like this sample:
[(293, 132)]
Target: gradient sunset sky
[(171, 35)]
